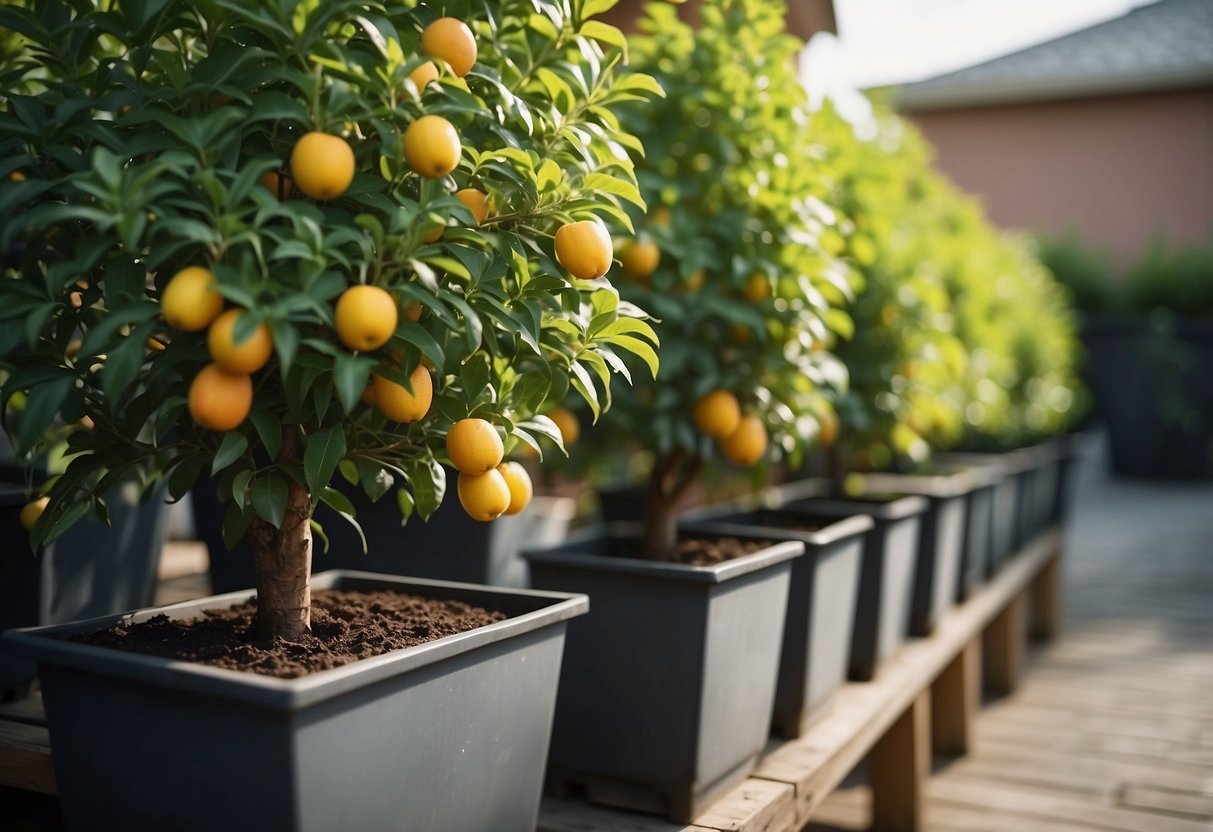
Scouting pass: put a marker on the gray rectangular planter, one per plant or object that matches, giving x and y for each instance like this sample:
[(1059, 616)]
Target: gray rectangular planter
[(886, 582), (667, 688), (978, 533), (1009, 472), (940, 536), (92, 570), (821, 608), (449, 735)]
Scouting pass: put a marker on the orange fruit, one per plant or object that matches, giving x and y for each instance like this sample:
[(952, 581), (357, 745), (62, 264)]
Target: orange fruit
[(662, 217), (747, 444), (567, 423), (220, 400), (366, 317), (31, 511), (451, 40), (484, 496), (16, 176), (189, 302), (474, 446), (397, 403), (247, 356), (277, 184), (696, 280), (431, 147), (519, 482), (757, 288), (640, 260), (322, 165), (476, 201), (717, 414), (584, 248), (413, 311), (423, 75)]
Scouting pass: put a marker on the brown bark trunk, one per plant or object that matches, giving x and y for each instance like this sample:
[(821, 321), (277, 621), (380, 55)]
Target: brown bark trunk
[(283, 561), (671, 477)]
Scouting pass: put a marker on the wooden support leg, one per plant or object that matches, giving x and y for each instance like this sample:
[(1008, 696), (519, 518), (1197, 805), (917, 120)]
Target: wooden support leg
[(1005, 646), (901, 763), (1046, 599), (955, 700)]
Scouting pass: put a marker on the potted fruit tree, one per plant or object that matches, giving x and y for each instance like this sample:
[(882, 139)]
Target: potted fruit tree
[(306, 237), (663, 704)]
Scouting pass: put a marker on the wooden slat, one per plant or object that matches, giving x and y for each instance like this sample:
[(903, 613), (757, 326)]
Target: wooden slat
[(25, 758), (1004, 648), (754, 806), (576, 816), (955, 700), (901, 764), (1046, 602)]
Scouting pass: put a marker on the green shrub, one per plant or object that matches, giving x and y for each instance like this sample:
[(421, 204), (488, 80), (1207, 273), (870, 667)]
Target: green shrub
[(1084, 270), (1178, 279)]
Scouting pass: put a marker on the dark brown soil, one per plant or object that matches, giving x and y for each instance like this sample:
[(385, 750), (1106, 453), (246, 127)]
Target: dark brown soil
[(346, 627), (708, 551)]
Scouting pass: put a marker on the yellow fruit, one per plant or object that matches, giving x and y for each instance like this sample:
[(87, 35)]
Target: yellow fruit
[(423, 75), (413, 311), (717, 414), (661, 217), (368, 395), (451, 40), (475, 201), (519, 482), (567, 424), (322, 165), (246, 357), (188, 302), (640, 259), (431, 147), (31, 511), (277, 184), (366, 317), (397, 403), (696, 280), (584, 248), (16, 176), (827, 433), (483, 496), (747, 444), (474, 446), (220, 400), (757, 288)]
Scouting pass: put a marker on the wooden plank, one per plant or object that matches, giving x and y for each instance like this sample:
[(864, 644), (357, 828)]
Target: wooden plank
[(1005, 647), (818, 761), (25, 758), (754, 806), (1046, 601), (901, 764), (577, 816), (947, 817), (1046, 805), (955, 700), (1196, 806)]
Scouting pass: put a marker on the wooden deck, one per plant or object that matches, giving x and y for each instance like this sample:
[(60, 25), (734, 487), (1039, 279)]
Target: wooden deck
[(1111, 728)]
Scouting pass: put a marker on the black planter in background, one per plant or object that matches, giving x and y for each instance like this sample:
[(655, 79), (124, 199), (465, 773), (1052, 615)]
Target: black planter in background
[(1153, 389)]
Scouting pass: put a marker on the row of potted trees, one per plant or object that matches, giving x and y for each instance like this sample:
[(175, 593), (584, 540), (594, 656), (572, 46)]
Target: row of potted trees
[(335, 255)]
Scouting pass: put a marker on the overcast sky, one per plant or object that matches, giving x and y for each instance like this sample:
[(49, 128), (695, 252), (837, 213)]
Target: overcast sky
[(894, 41)]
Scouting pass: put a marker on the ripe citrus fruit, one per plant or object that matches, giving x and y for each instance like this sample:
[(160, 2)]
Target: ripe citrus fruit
[(584, 248), (747, 444), (431, 147), (567, 423), (476, 201), (640, 259), (519, 483), (247, 356), (423, 75), (366, 317), (188, 302), (322, 165), (397, 403), (717, 414), (451, 40), (483, 496), (474, 446), (757, 288), (220, 400), (277, 184), (413, 311), (662, 217), (31, 511), (696, 280)]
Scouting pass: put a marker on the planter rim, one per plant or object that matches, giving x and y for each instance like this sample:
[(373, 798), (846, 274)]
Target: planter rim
[(566, 555), (289, 695), (837, 530), (1004, 463), (899, 508), (930, 484)]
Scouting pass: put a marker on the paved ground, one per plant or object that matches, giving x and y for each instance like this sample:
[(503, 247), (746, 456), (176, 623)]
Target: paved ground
[(1112, 728)]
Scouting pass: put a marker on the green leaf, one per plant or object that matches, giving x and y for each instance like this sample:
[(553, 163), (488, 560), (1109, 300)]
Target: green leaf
[(270, 493), (351, 373), (230, 449), (269, 430), (324, 450), (341, 504)]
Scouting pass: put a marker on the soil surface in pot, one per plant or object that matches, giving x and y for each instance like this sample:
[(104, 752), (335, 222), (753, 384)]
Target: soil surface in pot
[(694, 550), (346, 626)]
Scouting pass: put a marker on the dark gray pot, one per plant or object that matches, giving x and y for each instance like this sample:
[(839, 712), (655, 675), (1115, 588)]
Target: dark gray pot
[(1067, 462), (941, 536), (1009, 472), (886, 582), (91, 570), (449, 735), (978, 533), (821, 608), (667, 689)]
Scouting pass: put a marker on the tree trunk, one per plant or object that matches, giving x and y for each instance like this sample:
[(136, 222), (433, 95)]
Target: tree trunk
[(660, 526), (283, 560)]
